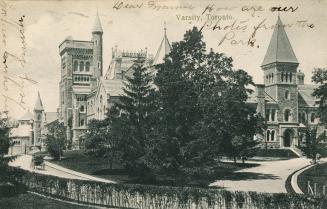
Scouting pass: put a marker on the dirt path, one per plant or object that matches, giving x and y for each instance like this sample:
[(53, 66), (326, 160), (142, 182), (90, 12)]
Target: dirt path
[(24, 162), (270, 176)]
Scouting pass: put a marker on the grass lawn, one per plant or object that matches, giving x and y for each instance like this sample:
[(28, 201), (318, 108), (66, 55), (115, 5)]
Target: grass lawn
[(31, 201), (317, 174), (78, 161)]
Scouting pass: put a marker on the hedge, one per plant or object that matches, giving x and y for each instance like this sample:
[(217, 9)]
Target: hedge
[(164, 197)]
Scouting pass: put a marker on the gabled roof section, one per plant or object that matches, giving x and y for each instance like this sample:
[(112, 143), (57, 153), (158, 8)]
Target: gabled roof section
[(279, 49), (163, 50), (113, 87), (38, 105), (305, 95), (97, 27), (27, 116)]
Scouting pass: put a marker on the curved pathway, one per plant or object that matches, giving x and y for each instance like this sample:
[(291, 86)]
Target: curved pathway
[(269, 176), (24, 162)]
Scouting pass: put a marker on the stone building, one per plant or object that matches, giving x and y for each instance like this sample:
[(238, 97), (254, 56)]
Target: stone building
[(85, 93), (284, 100), (29, 133)]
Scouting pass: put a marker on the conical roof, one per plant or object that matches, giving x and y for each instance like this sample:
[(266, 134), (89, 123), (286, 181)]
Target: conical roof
[(97, 25), (163, 50), (38, 104), (279, 49), (27, 116)]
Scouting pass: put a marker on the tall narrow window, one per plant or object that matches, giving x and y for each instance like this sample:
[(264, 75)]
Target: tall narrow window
[(282, 76), (287, 114), (81, 66), (87, 67), (82, 122), (75, 66), (287, 94), (272, 135), (313, 117), (268, 135), (291, 77), (82, 109), (267, 114), (272, 77), (273, 112)]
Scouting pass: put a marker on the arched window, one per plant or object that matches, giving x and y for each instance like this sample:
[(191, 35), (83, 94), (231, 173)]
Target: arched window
[(287, 114), (101, 99), (87, 67), (82, 122), (272, 135), (104, 109), (287, 94), (313, 117), (39, 117), (282, 76), (81, 66), (268, 135), (75, 66), (272, 77)]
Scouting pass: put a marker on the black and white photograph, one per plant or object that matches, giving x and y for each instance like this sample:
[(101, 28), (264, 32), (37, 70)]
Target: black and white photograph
[(163, 104)]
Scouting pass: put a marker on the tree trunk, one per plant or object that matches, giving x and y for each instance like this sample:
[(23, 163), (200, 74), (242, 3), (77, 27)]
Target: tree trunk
[(243, 160), (235, 160)]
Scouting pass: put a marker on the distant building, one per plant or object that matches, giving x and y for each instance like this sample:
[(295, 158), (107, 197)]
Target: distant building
[(85, 93), (30, 131), (284, 100)]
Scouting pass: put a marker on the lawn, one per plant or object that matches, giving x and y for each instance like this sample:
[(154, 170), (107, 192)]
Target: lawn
[(78, 161), (317, 174), (31, 201)]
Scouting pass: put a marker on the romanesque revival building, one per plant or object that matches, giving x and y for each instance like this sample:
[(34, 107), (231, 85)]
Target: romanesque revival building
[(284, 100), (85, 93)]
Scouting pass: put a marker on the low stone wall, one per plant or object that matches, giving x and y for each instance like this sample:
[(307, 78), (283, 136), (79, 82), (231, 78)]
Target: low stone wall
[(153, 197)]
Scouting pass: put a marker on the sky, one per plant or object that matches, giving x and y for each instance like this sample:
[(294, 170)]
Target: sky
[(47, 23)]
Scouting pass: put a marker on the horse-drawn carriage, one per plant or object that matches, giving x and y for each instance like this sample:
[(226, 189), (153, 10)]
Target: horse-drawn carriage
[(37, 162)]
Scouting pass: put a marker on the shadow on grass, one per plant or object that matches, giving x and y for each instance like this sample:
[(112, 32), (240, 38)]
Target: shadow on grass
[(240, 176)]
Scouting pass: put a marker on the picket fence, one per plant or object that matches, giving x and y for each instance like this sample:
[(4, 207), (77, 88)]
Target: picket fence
[(161, 197)]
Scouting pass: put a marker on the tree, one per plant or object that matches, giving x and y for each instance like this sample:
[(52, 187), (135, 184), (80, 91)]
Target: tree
[(203, 111), (313, 137), (313, 142), (320, 77), (56, 139), (136, 108), (101, 140), (4, 146)]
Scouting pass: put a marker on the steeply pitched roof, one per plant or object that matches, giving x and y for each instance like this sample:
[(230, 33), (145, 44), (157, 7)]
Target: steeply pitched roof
[(97, 25), (279, 49), (27, 116), (113, 87), (38, 104), (163, 50), (305, 95)]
